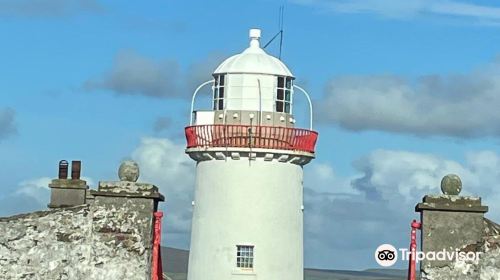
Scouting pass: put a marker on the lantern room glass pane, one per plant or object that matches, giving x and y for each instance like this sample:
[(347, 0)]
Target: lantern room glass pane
[(281, 82), (288, 83), (279, 106), (288, 95), (280, 94), (287, 107), (218, 92)]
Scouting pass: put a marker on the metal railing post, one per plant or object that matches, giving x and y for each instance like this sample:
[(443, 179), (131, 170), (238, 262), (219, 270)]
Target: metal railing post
[(193, 99), (157, 270), (412, 274), (310, 105)]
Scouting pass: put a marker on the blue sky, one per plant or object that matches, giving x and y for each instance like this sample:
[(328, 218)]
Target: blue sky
[(405, 92)]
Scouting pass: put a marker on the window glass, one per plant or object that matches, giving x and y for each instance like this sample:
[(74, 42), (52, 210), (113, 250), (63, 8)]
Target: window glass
[(281, 82), (288, 95), (280, 94), (218, 100), (279, 106), (244, 256), (284, 95)]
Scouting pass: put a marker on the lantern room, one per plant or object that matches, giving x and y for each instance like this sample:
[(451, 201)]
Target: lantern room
[(250, 89)]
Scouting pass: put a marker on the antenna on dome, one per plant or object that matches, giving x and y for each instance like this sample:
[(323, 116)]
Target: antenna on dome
[(280, 33)]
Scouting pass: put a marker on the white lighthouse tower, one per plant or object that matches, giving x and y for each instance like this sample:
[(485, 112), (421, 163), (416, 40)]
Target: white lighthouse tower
[(248, 202)]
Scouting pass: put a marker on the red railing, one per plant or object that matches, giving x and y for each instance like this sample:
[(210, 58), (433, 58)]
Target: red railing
[(267, 137)]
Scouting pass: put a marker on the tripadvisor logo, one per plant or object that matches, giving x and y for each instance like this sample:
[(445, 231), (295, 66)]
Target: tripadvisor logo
[(387, 255)]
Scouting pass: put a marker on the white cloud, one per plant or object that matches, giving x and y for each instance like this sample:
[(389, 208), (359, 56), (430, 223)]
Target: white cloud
[(406, 176), (164, 163), (37, 189), (457, 105), (323, 179), (410, 8)]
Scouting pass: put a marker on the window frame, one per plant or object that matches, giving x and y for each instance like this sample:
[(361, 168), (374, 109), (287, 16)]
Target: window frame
[(218, 99), (283, 98), (245, 257)]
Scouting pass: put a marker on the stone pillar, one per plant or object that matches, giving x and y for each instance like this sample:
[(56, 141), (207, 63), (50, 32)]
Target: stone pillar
[(66, 192), (123, 203), (450, 222)]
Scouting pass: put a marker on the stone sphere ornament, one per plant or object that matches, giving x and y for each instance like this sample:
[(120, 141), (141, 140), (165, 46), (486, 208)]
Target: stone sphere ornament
[(451, 184), (129, 171)]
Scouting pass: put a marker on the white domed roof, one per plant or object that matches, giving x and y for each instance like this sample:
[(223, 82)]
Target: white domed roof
[(254, 60)]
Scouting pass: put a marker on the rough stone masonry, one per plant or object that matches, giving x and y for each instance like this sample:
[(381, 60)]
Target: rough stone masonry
[(108, 235)]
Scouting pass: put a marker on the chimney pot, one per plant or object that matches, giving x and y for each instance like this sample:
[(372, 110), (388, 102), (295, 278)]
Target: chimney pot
[(76, 166), (63, 169)]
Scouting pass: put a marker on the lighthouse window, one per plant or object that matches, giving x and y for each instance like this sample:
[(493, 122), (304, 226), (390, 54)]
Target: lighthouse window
[(218, 100), (244, 256), (284, 95)]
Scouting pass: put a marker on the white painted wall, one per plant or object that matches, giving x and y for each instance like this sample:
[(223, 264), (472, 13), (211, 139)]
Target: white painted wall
[(204, 117), (242, 92), (242, 202)]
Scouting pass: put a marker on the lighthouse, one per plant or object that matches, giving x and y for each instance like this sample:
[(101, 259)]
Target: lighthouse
[(248, 202)]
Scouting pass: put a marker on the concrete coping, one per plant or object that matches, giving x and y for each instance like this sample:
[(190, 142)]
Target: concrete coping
[(249, 150), (68, 184), (452, 203), (220, 153), (128, 189)]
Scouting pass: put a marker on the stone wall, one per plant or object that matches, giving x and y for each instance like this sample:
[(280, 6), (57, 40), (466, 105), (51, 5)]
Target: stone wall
[(487, 267), (109, 236), (74, 243)]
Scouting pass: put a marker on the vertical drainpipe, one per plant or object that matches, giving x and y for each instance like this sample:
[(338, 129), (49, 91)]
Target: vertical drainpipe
[(260, 103)]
